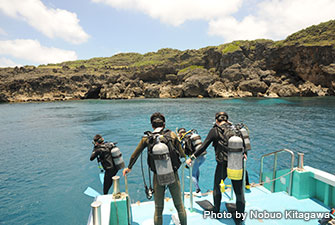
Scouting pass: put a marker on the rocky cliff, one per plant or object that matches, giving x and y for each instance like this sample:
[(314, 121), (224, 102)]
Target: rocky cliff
[(301, 65)]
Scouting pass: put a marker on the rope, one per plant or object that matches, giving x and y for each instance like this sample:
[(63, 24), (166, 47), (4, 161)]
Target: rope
[(261, 183)]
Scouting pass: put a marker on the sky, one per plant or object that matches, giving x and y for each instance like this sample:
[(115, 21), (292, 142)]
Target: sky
[(35, 32)]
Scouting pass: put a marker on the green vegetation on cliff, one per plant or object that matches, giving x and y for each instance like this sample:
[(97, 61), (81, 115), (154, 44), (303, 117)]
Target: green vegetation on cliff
[(162, 56), (190, 68), (320, 35), (239, 45)]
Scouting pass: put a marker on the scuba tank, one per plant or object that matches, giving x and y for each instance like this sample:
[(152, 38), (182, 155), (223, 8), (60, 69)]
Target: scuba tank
[(163, 164), (196, 140), (235, 155), (117, 157), (245, 135)]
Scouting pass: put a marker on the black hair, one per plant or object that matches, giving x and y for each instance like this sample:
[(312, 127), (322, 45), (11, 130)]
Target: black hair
[(221, 116), (98, 138), (157, 120), (181, 130)]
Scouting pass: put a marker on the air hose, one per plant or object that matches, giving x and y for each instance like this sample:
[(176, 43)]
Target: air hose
[(148, 190)]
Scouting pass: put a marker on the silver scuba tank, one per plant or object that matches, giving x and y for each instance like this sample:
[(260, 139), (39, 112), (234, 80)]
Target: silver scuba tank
[(196, 141), (235, 155), (117, 158), (163, 164), (246, 138)]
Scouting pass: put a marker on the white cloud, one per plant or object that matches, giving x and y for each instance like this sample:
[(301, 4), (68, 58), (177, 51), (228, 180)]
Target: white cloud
[(4, 62), (51, 22), (287, 16), (274, 19), (231, 29), (31, 50), (176, 12)]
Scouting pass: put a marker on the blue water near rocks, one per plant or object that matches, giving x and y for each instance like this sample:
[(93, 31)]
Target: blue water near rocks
[(45, 147)]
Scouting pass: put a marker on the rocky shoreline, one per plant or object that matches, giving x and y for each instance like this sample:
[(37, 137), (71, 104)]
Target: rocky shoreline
[(261, 68)]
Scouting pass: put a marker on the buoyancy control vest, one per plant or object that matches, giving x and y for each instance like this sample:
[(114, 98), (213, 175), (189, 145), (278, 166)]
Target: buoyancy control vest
[(163, 157), (104, 156), (192, 142), (110, 156)]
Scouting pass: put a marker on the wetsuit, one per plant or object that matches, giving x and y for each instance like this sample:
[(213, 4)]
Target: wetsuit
[(103, 152), (221, 154), (159, 190)]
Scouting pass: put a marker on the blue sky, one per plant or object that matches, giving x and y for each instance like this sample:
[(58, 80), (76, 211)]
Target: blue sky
[(34, 32)]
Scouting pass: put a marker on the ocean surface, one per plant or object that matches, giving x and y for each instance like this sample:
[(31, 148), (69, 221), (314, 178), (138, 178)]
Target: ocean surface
[(45, 147)]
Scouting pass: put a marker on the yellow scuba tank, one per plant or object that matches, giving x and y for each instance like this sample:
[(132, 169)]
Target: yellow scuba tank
[(235, 156)]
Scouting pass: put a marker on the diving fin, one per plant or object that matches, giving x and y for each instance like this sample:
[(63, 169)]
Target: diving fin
[(205, 205), (91, 192), (101, 176), (231, 207)]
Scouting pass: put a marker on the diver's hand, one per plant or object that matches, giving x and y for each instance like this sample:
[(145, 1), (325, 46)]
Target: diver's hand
[(245, 156), (125, 171), (189, 161)]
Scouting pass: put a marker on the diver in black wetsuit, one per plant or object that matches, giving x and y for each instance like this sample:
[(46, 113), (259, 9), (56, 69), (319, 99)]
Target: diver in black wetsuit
[(102, 151), (221, 153)]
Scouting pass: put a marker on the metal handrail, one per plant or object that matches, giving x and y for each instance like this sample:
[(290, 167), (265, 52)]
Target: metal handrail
[(183, 184), (191, 188), (183, 181), (275, 168)]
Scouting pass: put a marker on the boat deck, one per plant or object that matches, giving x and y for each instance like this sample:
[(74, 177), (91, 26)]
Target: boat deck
[(258, 198)]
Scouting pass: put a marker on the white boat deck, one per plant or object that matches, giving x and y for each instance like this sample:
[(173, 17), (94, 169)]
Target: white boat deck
[(257, 199)]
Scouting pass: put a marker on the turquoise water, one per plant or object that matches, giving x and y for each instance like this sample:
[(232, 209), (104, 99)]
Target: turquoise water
[(45, 147)]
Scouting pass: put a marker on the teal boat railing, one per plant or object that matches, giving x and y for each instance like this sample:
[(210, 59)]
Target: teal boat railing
[(274, 175)]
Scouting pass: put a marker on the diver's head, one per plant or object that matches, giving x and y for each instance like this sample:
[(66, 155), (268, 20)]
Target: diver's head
[(221, 116), (181, 132), (98, 139), (157, 120)]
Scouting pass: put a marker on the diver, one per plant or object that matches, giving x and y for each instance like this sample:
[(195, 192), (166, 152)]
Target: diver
[(218, 135), (164, 151), (191, 141), (110, 157)]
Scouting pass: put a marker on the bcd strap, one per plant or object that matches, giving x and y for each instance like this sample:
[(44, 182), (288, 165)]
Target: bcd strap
[(235, 150), (196, 138), (161, 157)]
